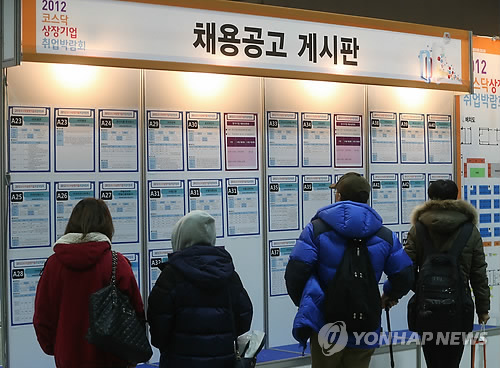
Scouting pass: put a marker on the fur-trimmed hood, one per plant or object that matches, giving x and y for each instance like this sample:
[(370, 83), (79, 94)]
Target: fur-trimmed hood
[(444, 215), (81, 253)]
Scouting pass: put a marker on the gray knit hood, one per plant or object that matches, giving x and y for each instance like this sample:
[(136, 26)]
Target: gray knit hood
[(195, 228)]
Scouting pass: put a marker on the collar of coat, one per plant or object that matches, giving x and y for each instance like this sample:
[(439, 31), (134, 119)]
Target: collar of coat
[(76, 238), (457, 205)]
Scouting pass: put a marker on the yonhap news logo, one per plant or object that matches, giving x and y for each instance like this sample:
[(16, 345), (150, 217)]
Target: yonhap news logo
[(332, 337)]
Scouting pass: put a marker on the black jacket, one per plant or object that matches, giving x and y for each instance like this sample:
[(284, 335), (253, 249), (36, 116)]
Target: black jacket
[(189, 309)]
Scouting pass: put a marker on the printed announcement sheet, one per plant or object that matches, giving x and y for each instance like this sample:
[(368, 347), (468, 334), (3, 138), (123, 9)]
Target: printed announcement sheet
[(75, 139), (316, 193), (383, 137), (29, 139), (385, 197), (204, 141), (412, 138), (29, 211), (243, 206), (348, 141), (118, 140), (279, 252), (165, 141), (439, 138), (166, 207), (122, 199), (241, 141), (206, 195), (283, 203), (316, 140), (24, 277), (282, 139), (67, 195), (413, 192)]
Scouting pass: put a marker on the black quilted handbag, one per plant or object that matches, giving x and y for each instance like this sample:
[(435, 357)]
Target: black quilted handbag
[(114, 326)]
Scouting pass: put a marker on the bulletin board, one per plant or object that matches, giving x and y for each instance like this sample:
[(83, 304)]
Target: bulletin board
[(78, 138), (204, 151), (479, 116), (301, 126), (411, 143)]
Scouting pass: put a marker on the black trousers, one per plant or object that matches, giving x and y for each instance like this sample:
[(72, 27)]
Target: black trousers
[(443, 356)]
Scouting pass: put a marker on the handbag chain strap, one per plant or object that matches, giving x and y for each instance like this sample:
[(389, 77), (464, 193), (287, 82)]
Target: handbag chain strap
[(114, 260)]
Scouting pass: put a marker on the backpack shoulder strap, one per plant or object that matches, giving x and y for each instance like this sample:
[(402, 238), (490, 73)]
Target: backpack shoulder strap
[(424, 239), (385, 233), (320, 227), (461, 239)]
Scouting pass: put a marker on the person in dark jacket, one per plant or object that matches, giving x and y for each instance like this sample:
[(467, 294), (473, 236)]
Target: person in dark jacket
[(81, 265), (198, 305), (315, 258), (443, 215)]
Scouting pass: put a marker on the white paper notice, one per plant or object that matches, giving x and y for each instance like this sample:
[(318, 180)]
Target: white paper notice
[(282, 139), (29, 215), (348, 141), (75, 137), (242, 206), (166, 207), (439, 136), (206, 195), (316, 193), (204, 141), (122, 199), (316, 140), (385, 197), (434, 177), (134, 263), (67, 195), (383, 137), (25, 275), (279, 253), (29, 139), (165, 141), (241, 141), (412, 138), (156, 258), (283, 203), (404, 238), (412, 194), (118, 143)]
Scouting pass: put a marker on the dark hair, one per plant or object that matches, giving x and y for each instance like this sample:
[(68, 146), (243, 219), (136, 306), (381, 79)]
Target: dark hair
[(90, 215), (443, 189), (360, 197)]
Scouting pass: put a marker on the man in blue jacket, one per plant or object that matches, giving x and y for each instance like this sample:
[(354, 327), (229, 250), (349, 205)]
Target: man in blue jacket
[(317, 255)]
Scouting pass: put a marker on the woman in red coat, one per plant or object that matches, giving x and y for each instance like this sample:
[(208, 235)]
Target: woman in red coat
[(80, 265)]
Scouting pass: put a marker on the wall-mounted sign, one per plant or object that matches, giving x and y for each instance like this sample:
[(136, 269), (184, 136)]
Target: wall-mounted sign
[(247, 39)]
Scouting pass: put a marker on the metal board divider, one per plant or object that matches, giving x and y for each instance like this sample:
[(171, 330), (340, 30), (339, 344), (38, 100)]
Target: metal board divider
[(144, 265), (3, 207), (366, 133), (263, 185)]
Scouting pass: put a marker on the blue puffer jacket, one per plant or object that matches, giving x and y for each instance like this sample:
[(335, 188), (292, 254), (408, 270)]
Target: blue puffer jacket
[(314, 262), (189, 311)]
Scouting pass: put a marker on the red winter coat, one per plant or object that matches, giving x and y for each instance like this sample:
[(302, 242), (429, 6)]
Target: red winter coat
[(71, 274)]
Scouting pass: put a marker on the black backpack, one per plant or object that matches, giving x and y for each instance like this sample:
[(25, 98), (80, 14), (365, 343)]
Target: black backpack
[(353, 295), (442, 302)]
